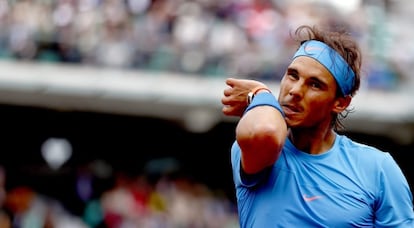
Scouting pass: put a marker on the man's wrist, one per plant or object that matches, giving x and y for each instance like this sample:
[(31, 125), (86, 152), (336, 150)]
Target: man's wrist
[(264, 99), (255, 91)]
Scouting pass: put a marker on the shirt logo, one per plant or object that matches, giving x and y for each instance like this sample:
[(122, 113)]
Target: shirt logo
[(310, 198)]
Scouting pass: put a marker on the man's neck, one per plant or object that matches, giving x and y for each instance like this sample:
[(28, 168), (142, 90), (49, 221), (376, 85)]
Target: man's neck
[(311, 140)]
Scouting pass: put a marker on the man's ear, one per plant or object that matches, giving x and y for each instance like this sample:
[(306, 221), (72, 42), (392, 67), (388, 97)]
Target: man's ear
[(341, 103)]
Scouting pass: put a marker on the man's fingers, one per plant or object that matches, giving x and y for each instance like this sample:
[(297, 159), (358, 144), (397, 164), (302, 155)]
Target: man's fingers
[(226, 110), (227, 92), (231, 81), (229, 110)]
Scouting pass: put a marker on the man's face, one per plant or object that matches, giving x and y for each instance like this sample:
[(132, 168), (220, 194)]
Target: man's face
[(307, 93)]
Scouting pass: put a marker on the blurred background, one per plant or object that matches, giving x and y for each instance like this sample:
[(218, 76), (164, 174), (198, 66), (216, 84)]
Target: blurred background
[(110, 110)]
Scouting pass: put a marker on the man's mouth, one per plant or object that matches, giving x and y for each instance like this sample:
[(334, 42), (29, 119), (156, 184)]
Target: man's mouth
[(289, 108)]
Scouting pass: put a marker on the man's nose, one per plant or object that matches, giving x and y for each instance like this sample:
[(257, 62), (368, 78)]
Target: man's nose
[(296, 89)]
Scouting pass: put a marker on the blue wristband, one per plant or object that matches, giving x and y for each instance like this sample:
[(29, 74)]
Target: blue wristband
[(262, 99)]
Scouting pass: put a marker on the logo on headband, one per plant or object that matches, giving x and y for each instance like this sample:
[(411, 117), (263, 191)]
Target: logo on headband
[(313, 48)]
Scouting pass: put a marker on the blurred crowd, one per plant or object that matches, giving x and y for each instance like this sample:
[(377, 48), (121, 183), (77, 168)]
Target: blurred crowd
[(118, 199), (246, 38)]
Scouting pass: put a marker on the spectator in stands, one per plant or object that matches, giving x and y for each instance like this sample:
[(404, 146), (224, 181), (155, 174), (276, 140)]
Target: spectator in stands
[(28, 208), (291, 167), (5, 219)]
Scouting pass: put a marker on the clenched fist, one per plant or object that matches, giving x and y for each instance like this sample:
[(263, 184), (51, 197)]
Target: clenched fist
[(234, 98)]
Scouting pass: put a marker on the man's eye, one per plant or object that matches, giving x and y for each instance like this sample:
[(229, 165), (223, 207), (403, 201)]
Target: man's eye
[(293, 76), (316, 85)]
